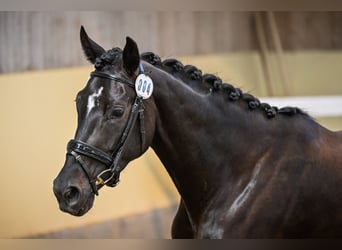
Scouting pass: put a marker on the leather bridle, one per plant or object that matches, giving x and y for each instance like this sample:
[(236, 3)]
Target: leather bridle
[(79, 149)]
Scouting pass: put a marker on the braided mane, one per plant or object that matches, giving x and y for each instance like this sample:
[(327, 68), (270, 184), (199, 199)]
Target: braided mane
[(203, 83), (193, 77)]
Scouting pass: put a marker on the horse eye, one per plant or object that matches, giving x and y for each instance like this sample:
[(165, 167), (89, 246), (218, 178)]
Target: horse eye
[(115, 113)]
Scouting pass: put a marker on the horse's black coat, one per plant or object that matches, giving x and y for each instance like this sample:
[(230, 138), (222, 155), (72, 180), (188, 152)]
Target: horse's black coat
[(244, 169)]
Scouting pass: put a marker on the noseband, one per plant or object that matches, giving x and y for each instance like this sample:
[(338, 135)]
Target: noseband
[(78, 149)]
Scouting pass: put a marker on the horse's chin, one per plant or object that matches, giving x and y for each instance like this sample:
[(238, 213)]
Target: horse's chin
[(82, 208), (112, 183)]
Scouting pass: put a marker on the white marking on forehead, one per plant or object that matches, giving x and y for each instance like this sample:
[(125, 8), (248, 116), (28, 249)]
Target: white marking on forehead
[(245, 193), (92, 98)]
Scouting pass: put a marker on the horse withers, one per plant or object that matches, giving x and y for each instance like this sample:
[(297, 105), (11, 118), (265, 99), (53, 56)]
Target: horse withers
[(244, 169)]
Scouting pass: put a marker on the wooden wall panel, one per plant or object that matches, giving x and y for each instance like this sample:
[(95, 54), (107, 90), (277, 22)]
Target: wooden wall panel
[(41, 40)]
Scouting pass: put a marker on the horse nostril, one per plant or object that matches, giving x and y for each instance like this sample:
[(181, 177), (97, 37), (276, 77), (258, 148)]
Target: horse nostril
[(71, 195)]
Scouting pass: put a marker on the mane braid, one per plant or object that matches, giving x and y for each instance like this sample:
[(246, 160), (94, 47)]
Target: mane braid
[(175, 68), (193, 73), (189, 74), (214, 81)]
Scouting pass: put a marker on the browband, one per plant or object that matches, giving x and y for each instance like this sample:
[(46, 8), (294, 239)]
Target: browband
[(112, 77)]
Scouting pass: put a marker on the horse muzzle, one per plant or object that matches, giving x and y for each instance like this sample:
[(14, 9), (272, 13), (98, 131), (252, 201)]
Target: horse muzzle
[(72, 199)]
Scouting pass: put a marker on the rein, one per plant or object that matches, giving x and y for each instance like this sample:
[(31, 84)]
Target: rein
[(78, 149)]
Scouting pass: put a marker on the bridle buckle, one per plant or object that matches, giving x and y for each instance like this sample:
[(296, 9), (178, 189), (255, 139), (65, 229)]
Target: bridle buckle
[(102, 181)]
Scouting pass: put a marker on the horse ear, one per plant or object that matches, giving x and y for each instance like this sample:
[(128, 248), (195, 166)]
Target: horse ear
[(130, 56), (91, 49)]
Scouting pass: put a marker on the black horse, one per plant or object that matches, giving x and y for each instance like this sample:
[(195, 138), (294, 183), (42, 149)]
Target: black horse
[(244, 169)]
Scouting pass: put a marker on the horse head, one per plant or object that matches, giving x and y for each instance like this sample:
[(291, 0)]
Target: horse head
[(113, 126)]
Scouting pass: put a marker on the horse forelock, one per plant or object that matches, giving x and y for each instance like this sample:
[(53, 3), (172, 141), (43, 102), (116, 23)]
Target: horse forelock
[(110, 57)]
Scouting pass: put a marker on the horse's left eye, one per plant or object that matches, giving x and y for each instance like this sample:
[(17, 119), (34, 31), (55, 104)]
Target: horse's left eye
[(115, 113)]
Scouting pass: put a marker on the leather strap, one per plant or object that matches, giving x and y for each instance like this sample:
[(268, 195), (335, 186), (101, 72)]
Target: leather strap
[(112, 77), (92, 181), (90, 151)]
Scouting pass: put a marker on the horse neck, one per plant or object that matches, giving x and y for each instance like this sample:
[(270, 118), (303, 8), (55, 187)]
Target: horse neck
[(193, 136)]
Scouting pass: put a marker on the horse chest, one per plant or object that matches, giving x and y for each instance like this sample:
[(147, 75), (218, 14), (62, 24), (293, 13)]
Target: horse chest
[(216, 220)]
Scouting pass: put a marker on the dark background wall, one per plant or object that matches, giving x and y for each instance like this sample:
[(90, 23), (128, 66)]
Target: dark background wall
[(43, 40)]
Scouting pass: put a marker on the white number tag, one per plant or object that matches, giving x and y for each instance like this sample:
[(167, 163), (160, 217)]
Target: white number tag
[(144, 86)]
